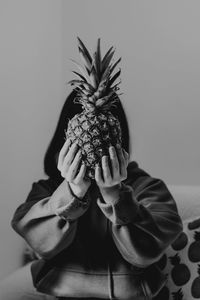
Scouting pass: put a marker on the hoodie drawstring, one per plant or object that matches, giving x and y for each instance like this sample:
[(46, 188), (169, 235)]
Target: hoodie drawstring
[(110, 277)]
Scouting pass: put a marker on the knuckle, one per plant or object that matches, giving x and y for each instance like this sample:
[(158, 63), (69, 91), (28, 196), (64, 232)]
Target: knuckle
[(124, 176), (116, 179), (108, 180), (116, 165), (68, 178), (120, 153), (113, 155), (67, 163), (61, 152), (97, 179), (72, 171), (59, 155), (76, 181), (114, 159), (104, 162), (63, 174)]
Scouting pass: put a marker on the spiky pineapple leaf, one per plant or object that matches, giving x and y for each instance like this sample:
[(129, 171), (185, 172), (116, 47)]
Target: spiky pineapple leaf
[(75, 81), (107, 53), (105, 76), (175, 260), (116, 86), (79, 75), (198, 269), (82, 92), (78, 85), (114, 65), (82, 70), (81, 83), (85, 50), (97, 59), (84, 89), (107, 58), (112, 80), (85, 60), (93, 77), (178, 295), (87, 89), (197, 235), (107, 100)]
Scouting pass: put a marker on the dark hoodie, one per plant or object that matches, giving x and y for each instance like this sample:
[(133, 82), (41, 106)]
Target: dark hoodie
[(94, 237)]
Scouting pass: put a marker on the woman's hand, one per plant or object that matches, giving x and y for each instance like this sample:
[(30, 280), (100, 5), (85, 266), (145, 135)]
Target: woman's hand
[(69, 160), (109, 178)]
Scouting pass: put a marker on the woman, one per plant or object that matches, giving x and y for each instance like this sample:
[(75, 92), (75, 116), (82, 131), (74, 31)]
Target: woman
[(98, 239)]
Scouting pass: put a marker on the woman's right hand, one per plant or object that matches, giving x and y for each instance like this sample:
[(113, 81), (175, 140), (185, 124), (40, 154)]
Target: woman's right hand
[(69, 160)]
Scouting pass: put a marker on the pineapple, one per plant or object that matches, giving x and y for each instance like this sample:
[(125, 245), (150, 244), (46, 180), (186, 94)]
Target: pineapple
[(194, 248), (180, 272), (95, 129), (195, 288)]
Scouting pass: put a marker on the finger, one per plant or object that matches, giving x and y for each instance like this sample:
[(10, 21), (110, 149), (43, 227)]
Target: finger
[(72, 172), (81, 174), (114, 161), (97, 175), (63, 153), (122, 160), (126, 155), (71, 154), (124, 164), (105, 168)]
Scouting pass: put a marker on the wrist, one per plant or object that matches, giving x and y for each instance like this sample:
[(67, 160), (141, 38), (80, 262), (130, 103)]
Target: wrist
[(110, 189), (77, 191), (111, 194)]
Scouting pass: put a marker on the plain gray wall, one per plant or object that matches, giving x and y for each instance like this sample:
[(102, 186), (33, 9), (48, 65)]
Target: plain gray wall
[(159, 44), (31, 97)]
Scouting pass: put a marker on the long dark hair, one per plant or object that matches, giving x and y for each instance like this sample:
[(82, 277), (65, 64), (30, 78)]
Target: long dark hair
[(69, 110)]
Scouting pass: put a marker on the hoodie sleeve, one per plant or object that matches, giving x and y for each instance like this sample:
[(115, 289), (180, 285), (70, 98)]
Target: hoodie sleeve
[(144, 218), (47, 220)]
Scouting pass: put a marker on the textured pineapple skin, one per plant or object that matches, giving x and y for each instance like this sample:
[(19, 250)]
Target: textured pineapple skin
[(94, 132)]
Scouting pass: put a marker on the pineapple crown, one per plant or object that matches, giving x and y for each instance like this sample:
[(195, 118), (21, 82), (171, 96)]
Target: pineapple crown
[(178, 295), (96, 85), (197, 235), (198, 270), (175, 260)]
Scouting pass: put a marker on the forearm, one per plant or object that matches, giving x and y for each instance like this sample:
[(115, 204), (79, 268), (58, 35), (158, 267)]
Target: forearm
[(144, 221), (47, 235), (143, 241), (48, 224)]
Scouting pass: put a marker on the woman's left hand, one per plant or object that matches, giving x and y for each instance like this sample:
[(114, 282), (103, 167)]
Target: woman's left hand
[(109, 177)]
